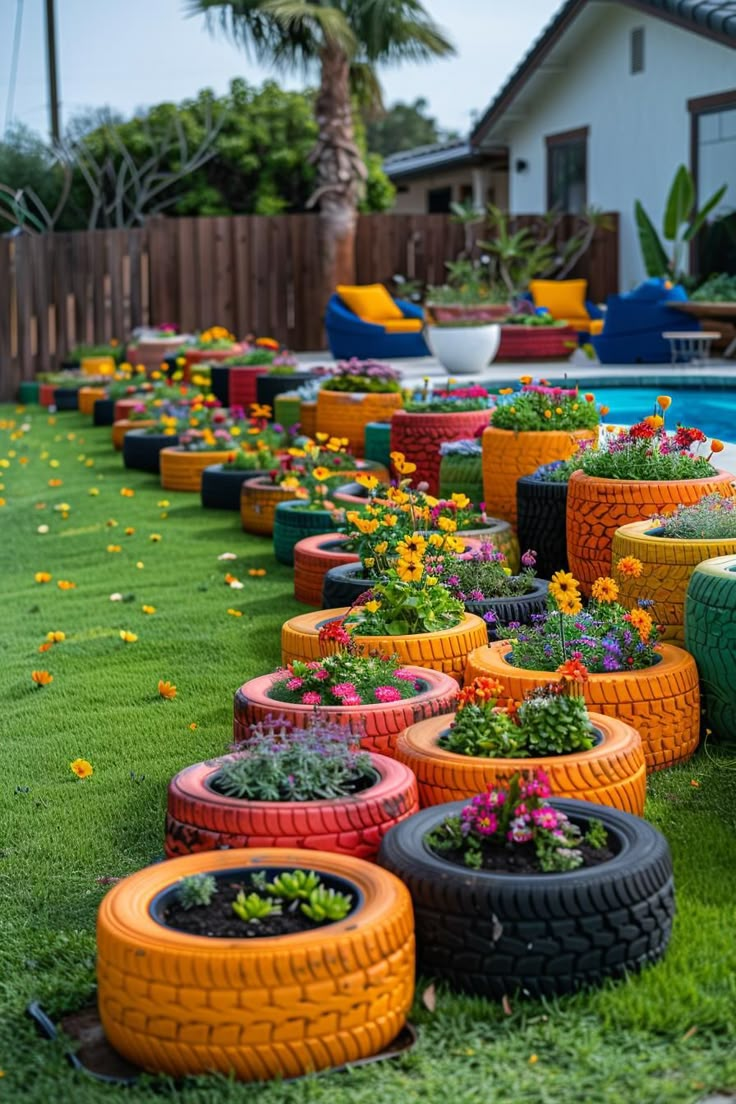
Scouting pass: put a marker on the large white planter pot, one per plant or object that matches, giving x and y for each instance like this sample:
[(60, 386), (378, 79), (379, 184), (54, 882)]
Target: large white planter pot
[(464, 350)]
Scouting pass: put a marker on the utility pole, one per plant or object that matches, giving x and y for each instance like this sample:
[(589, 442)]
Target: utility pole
[(53, 80)]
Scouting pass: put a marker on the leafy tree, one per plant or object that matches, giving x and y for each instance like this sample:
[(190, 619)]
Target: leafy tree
[(402, 127), (346, 39)]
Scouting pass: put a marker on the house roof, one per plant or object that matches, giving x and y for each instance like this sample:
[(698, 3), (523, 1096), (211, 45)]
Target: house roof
[(715, 19), (434, 158)]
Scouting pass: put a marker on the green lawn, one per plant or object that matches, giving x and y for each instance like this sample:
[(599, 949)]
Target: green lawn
[(667, 1035)]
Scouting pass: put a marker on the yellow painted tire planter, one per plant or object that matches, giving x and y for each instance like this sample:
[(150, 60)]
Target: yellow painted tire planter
[(445, 650), (123, 426), (507, 456), (182, 470), (346, 414), (668, 563), (661, 702), (88, 396), (611, 773), (255, 1008)]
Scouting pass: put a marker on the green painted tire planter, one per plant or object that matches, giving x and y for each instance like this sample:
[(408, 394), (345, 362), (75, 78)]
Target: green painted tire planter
[(710, 637), (293, 523), (462, 474), (287, 409), (378, 442), (28, 391)]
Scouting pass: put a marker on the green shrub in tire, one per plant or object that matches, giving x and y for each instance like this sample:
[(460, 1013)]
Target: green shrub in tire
[(498, 934), (292, 522), (710, 637)]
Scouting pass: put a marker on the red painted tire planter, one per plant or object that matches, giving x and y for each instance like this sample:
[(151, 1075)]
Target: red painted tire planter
[(291, 523), (313, 558), (46, 394), (519, 342), (200, 819), (597, 507), (123, 407), (419, 437), (661, 702), (611, 773), (378, 726)]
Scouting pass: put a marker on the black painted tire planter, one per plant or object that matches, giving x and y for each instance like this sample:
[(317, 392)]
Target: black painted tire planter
[(66, 398), (220, 383), (104, 412), (495, 935), (541, 510), (268, 387), (142, 450), (462, 474), (710, 637), (511, 609), (291, 523), (344, 584), (221, 489)]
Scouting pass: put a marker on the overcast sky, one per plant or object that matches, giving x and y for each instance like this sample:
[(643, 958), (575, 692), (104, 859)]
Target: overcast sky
[(128, 53)]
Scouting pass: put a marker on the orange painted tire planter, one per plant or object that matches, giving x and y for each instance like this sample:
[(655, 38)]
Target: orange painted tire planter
[(419, 437), (668, 563), (661, 702), (611, 773), (507, 456), (308, 418), (88, 396), (200, 819), (377, 726), (596, 508), (313, 558), (259, 498), (445, 650), (182, 470), (123, 426), (346, 414), (255, 1008)]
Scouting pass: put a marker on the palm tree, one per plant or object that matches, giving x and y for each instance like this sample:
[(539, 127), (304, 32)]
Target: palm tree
[(346, 39)]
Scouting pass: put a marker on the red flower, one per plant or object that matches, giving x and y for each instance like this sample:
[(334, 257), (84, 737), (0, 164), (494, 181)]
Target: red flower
[(641, 430)]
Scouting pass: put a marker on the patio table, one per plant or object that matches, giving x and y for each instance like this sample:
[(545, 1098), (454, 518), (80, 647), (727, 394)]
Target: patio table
[(714, 312)]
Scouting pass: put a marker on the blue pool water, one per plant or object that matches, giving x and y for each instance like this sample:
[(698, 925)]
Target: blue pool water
[(712, 409)]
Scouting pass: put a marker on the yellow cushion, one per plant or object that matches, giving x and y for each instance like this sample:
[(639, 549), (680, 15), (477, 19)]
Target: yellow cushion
[(371, 302), (562, 298), (400, 325)]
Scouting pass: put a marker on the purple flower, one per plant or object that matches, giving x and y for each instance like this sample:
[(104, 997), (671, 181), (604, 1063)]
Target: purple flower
[(490, 617), (529, 558)]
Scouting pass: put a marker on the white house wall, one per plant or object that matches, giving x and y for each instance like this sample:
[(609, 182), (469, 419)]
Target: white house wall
[(639, 123)]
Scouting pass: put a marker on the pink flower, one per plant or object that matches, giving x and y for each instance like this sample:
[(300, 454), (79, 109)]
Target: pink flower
[(387, 694), (401, 673), (294, 684), (343, 689), (320, 673), (352, 699), (311, 698)]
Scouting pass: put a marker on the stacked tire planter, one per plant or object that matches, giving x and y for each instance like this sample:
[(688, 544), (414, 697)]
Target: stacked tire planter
[(292, 522), (181, 470), (313, 558), (507, 456), (495, 934), (194, 357), (444, 650), (611, 773), (710, 635), (346, 414), (668, 563), (461, 474), (142, 450), (236, 386), (256, 1008), (661, 702), (541, 522), (597, 507), (199, 818), (419, 437), (378, 726)]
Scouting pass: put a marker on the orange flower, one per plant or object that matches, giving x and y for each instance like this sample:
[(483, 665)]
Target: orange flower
[(604, 410), (630, 567), (642, 622), (548, 413), (55, 483), (654, 420), (525, 379), (66, 584), (45, 647), (716, 445), (127, 492), (573, 669), (41, 678), (148, 609), (42, 577), (664, 402), (605, 589), (82, 768), (506, 391), (128, 637), (166, 689), (257, 572), (193, 725), (589, 397)]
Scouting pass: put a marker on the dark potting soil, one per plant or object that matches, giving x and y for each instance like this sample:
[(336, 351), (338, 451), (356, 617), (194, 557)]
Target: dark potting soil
[(219, 921), (522, 858)]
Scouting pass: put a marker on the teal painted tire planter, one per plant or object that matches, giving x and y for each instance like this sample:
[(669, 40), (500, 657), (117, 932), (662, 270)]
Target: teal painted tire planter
[(28, 391), (378, 442), (462, 474), (293, 523), (710, 637)]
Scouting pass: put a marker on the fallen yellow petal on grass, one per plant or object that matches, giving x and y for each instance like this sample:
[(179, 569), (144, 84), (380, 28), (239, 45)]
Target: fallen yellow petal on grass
[(127, 636), (82, 768), (148, 609), (235, 613), (166, 689), (41, 678), (42, 577)]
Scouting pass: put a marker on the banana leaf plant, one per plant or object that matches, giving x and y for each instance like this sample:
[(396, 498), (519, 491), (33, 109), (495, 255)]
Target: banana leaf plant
[(682, 221)]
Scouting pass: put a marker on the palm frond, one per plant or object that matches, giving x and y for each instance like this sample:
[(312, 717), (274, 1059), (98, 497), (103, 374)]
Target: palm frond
[(397, 30), (366, 87)]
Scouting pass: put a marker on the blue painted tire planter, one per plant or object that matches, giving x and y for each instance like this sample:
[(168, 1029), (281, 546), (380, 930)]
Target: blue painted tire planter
[(710, 637), (292, 523)]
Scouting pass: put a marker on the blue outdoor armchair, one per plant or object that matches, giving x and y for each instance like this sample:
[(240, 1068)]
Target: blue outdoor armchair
[(349, 336), (635, 322)]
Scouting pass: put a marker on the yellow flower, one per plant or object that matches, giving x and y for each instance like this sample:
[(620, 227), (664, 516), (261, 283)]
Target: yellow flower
[(163, 503), (367, 525), (82, 768), (155, 537), (128, 637), (372, 606), (412, 547), (431, 580), (569, 603), (654, 420), (113, 548), (321, 473), (127, 492), (381, 547), (56, 637), (235, 613), (605, 589), (461, 501), (390, 520), (564, 582), (42, 577), (148, 609), (409, 571), (166, 689), (66, 584), (369, 562), (548, 413), (447, 525), (630, 567), (41, 678), (366, 480), (129, 531)]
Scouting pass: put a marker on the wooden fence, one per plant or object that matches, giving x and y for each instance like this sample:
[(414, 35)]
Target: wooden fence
[(250, 273)]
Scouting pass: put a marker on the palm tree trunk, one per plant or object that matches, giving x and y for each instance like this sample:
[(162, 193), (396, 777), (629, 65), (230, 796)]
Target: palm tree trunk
[(340, 173)]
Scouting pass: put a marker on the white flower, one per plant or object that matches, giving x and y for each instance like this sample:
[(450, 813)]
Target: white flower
[(227, 556), (236, 585), (116, 597), (43, 529)]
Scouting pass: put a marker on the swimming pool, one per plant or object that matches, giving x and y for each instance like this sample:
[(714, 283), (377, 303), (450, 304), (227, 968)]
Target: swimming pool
[(711, 408)]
